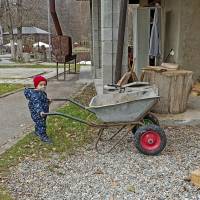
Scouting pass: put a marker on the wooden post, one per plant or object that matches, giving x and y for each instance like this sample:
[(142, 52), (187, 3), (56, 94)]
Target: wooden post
[(120, 43), (174, 88), (57, 70), (64, 71)]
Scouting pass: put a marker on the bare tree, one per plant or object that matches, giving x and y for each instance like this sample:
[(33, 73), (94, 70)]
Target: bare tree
[(17, 13), (74, 17), (19, 56), (10, 28)]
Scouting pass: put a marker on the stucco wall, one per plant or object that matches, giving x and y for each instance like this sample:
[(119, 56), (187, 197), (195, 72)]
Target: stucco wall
[(182, 33), (189, 43), (171, 28), (109, 38)]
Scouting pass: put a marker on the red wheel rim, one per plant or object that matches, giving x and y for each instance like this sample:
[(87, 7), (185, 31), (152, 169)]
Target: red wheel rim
[(150, 140)]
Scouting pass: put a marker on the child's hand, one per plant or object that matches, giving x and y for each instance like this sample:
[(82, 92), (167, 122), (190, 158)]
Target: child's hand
[(49, 101), (42, 114)]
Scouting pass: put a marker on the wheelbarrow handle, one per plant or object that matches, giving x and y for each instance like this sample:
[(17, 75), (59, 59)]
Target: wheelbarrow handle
[(70, 117), (92, 124), (74, 102)]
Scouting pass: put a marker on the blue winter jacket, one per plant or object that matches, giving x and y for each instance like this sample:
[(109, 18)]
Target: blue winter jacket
[(38, 102)]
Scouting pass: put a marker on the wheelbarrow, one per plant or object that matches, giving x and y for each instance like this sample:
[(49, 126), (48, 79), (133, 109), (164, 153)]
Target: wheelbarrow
[(129, 111)]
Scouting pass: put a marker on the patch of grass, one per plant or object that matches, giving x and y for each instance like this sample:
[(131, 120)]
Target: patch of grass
[(7, 87), (67, 136), (81, 49), (4, 195)]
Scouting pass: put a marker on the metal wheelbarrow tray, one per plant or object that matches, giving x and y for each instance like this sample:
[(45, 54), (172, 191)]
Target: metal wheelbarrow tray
[(128, 110), (123, 107)]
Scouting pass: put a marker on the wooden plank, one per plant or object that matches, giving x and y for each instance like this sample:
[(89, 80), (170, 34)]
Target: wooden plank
[(170, 66), (195, 177)]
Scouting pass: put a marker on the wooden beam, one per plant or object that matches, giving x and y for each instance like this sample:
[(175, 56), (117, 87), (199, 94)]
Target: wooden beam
[(120, 43)]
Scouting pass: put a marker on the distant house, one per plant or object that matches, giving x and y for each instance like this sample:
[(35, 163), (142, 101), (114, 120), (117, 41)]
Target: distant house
[(29, 35), (29, 31)]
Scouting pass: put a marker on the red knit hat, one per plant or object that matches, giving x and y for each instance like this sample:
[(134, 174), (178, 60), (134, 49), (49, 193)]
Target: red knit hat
[(38, 79)]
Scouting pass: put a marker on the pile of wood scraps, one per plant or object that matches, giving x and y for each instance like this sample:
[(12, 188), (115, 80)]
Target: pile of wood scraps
[(163, 68), (196, 89), (128, 77)]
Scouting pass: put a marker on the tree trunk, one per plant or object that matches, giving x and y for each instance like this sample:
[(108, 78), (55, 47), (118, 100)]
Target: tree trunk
[(12, 46), (19, 50), (10, 28), (19, 31), (174, 88)]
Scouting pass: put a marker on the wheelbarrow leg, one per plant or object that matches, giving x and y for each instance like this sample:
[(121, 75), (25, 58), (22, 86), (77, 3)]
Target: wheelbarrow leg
[(113, 146), (110, 138)]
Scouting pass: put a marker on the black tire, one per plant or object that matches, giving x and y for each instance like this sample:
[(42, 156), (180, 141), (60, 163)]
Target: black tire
[(157, 137), (150, 118)]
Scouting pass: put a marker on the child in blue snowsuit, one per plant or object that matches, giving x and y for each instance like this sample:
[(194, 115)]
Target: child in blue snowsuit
[(38, 105)]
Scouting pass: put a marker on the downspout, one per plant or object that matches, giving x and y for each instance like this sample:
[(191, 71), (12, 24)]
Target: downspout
[(55, 17), (120, 43)]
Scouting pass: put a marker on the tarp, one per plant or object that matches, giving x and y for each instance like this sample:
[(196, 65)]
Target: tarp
[(40, 44), (8, 45)]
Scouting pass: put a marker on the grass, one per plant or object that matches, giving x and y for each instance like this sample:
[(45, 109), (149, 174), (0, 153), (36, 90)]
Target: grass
[(7, 87), (4, 195), (81, 49), (67, 136)]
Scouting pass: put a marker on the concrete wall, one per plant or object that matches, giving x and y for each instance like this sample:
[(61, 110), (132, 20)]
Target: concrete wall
[(110, 11), (171, 28), (189, 43), (96, 36), (141, 28), (182, 33)]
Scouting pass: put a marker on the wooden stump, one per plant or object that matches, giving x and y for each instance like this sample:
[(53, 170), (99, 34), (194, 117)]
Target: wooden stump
[(174, 88)]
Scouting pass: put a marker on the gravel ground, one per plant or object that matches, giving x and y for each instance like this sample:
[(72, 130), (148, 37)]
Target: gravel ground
[(122, 174)]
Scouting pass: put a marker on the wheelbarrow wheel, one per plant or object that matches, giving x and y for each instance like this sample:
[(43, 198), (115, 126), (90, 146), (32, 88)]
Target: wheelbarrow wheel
[(148, 119), (150, 139)]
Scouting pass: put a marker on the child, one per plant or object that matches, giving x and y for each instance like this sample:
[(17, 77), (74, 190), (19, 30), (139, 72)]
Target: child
[(38, 105)]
